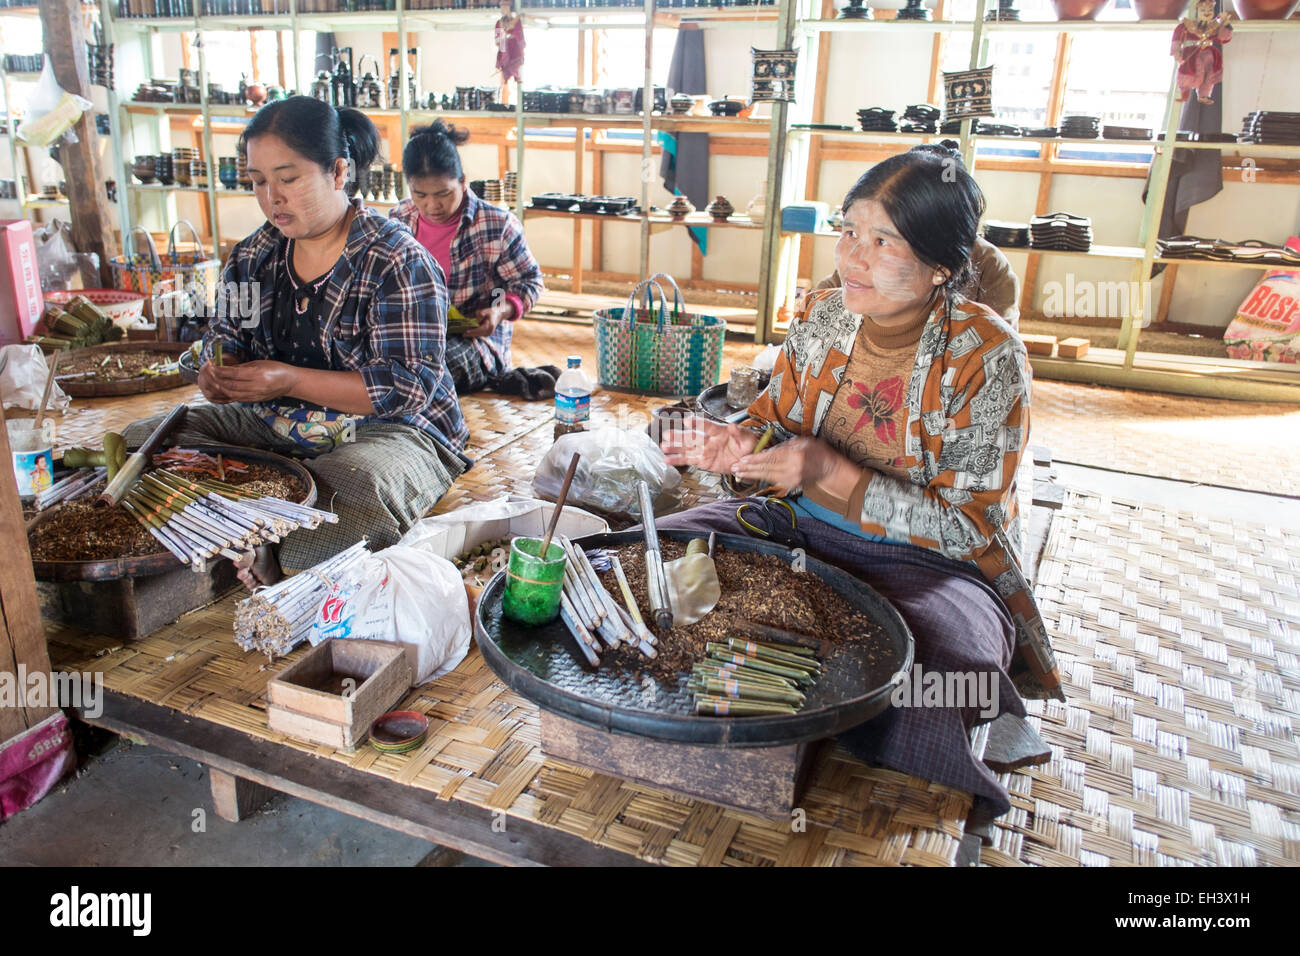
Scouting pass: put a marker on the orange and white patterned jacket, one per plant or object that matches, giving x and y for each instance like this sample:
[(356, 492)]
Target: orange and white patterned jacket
[(967, 427)]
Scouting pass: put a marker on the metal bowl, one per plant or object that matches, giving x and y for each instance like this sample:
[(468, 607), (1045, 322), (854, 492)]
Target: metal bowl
[(112, 569), (541, 664)]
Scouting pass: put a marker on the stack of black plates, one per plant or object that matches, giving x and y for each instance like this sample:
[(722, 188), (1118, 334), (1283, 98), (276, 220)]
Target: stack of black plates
[(1081, 127), (1043, 132), (999, 129), (981, 127), (1183, 136), (1013, 235), (1061, 231), (1271, 126), (877, 119), (1126, 132), (920, 118)]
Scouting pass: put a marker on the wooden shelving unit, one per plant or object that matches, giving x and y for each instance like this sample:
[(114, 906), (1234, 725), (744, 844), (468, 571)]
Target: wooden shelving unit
[(1126, 366), (510, 128)]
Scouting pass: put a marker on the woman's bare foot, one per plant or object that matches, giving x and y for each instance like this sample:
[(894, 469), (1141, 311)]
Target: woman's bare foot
[(258, 568)]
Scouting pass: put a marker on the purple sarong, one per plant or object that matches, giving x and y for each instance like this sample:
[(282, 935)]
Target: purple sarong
[(960, 626)]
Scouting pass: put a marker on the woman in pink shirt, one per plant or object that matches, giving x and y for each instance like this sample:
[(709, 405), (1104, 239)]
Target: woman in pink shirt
[(490, 273)]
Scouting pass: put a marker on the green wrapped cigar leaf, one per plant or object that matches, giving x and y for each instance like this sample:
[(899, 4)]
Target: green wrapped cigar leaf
[(755, 663), (747, 691), (739, 647), (725, 672), (777, 656), (727, 707)]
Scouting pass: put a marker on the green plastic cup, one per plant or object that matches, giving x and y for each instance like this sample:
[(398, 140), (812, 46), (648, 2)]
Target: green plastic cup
[(533, 582)]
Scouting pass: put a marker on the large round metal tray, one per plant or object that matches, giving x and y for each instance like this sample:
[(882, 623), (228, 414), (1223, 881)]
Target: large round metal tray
[(543, 665), (112, 569)]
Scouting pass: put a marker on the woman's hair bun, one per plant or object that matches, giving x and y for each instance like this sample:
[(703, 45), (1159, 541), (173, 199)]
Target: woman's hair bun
[(439, 127)]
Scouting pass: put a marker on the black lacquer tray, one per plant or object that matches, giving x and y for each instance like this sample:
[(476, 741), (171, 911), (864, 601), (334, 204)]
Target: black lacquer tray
[(543, 665)]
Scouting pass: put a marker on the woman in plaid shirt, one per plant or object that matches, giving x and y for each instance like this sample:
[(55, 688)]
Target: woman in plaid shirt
[(491, 274), (332, 322)]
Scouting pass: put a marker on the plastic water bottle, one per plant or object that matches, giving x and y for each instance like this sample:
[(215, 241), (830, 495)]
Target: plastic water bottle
[(572, 399)]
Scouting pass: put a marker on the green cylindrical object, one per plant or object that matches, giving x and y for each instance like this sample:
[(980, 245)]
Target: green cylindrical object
[(533, 582)]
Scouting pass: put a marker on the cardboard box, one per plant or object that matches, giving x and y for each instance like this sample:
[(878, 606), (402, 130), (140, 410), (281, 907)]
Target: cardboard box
[(1039, 344), (20, 285), (1073, 348)]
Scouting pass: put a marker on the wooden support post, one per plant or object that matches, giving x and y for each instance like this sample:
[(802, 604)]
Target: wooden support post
[(1166, 295), (22, 639), (279, 60), (92, 219), (234, 798), (812, 180), (579, 176), (1055, 107)]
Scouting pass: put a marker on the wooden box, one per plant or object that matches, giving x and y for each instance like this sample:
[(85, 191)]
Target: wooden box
[(132, 608), (338, 690), (1073, 348), (1039, 344), (766, 780)]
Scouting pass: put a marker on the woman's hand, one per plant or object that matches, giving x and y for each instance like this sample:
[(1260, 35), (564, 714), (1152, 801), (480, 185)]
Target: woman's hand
[(799, 463), (708, 445), (258, 381), (209, 385), (490, 318)]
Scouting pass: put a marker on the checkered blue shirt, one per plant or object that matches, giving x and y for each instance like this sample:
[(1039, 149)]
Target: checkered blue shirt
[(488, 253), (386, 308)]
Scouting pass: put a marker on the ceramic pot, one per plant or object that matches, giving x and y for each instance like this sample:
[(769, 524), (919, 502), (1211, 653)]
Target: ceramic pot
[(1078, 9), (680, 208), (720, 209), (1265, 9), (757, 208), (255, 94), (681, 104), (1160, 9)]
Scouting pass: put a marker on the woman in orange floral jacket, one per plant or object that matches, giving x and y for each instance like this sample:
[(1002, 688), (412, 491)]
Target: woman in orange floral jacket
[(903, 414)]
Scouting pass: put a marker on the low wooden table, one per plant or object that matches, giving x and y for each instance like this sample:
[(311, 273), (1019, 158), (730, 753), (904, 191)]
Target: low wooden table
[(481, 783)]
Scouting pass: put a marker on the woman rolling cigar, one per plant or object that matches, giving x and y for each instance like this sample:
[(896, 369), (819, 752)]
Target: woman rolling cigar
[(491, 274), (341, 358), (901, 412)]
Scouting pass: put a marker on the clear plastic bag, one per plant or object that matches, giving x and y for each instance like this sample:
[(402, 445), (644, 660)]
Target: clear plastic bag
[(23, 371), (51, 111), (58, 261), (612, 462)]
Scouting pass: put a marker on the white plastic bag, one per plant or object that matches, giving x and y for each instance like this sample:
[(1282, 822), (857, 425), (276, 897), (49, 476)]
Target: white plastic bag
[(406, 596), (51, 111), (23, 371), (613, 459), (511, 516)]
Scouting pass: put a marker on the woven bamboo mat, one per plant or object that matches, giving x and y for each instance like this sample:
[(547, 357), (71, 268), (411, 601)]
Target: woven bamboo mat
[(1178, 638), (483, 748), (1202, 440)]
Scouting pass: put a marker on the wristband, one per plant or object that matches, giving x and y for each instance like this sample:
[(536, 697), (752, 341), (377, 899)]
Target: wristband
[(518, 305)]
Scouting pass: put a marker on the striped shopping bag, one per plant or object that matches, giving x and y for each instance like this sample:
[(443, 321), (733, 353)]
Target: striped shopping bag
[(655, 351)]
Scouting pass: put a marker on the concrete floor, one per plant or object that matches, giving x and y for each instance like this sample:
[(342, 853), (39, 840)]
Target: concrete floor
[(134, 805)]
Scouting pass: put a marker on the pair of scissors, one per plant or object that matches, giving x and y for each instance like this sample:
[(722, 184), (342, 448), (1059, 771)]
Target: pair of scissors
[(766, 520)]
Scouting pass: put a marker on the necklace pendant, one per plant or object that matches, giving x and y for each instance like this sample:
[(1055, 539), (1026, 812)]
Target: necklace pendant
[(302, 305)]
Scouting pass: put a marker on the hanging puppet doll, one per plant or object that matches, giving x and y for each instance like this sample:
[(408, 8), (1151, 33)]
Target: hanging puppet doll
[(1198, 47), (509, 35)]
